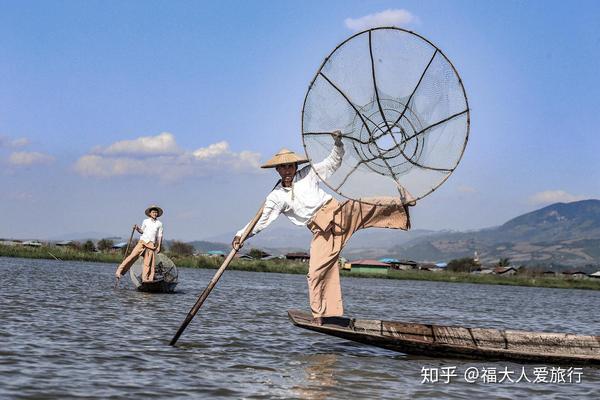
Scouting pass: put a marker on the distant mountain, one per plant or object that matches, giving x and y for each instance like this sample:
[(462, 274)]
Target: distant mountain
[(562, 234), (85, 236), (297, 238)]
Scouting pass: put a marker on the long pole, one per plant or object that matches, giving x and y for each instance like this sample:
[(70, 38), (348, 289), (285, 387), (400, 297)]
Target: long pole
[(129, 243), (215, 278)]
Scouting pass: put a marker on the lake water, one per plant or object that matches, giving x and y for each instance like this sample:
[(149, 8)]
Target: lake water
[(66, 333)]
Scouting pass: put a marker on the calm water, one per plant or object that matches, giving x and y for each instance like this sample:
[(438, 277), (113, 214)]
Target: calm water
[(66, 333)]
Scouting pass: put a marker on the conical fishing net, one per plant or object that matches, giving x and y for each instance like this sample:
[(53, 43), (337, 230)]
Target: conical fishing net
[(165, 269), (402, 111)]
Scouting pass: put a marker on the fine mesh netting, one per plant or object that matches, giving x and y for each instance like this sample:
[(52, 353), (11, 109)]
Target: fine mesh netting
[(165, 269), (402, 111)]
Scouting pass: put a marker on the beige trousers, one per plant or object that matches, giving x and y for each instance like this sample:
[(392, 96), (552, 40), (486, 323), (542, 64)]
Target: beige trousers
[(149, 261), (332, 226)]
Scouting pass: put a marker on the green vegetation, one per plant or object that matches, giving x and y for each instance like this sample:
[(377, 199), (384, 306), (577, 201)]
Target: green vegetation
[(181, 248), (61, 253), (463, 265), (530, 278)]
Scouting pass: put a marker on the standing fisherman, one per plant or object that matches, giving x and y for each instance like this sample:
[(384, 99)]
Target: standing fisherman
[(299, 197), (151, 240)]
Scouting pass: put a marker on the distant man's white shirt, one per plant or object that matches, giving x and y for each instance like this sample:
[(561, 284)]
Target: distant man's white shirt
[(153, 230), (301, 201)]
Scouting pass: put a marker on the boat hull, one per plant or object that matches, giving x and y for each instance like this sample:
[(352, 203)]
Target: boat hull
[(157, 287), (460, 342)]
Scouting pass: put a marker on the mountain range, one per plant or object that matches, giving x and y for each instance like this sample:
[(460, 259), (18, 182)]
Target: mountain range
[(559, 235)]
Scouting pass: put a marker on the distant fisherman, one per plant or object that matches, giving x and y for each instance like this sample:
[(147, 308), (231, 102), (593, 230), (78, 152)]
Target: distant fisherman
[(298, 196), (150, 241)]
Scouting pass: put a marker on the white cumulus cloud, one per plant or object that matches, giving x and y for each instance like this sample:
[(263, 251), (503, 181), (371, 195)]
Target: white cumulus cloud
[(553, 196), (213, 150), (213, 159), (393, 17), (163, 143), (27, 158)]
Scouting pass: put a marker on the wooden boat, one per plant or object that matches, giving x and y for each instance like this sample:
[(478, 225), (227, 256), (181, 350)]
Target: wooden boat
[(165, 277), (157, 286), (461, 342)]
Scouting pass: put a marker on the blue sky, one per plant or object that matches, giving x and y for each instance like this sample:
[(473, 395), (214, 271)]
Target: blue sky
[(107, 107)]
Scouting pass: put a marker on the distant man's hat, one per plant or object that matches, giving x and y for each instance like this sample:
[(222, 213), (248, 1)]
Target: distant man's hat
[(284, 156), (154, 207)]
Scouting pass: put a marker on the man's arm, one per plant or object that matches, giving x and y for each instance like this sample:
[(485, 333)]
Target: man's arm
[(159, 240), (332, 162), (271, 211), (140, 230)]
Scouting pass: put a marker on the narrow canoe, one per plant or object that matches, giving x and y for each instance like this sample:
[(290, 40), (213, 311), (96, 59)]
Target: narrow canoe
[(461, 342), (160, 286)]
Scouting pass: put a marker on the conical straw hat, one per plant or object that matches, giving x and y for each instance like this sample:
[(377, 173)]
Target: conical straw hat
[(284, 156), (153, 207)]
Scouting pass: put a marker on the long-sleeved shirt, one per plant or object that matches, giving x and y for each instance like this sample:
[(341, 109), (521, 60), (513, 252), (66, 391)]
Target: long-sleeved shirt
[(303, 199), (152, 230)]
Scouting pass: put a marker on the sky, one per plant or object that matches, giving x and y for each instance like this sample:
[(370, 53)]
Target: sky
[(108, 107)]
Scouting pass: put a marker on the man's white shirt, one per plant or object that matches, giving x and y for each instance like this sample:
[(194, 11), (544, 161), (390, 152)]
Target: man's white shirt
[(153, 230), (303, 199)]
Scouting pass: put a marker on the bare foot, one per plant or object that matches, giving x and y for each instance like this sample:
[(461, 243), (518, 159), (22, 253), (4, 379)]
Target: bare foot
[(317, 321)]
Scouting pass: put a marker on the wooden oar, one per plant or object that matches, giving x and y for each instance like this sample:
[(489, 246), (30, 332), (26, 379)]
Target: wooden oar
[(126, 251), (215, 278), (129, 242)]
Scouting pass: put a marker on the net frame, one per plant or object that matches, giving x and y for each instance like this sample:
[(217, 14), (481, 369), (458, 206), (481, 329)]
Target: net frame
[(163, 266), (388, 127)]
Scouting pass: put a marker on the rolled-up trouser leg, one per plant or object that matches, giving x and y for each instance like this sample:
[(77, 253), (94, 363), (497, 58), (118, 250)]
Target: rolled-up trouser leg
[(130, 259), (332, 227), (149, 263), (324, 290)]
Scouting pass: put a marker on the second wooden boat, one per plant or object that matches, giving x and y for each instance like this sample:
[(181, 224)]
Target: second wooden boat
[(166, 276)]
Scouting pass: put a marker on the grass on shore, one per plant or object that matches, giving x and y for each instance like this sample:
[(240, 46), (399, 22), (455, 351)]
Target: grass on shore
[(291, 267)]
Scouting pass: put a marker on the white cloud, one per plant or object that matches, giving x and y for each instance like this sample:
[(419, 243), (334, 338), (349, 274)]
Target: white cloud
[(213, 159), (214, 150), (163, 143), (395, 17), (553, 196), (27, 158)]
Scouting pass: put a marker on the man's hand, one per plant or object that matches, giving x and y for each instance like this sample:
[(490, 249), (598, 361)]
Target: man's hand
[(237, 243), (337, 136), (135, 227), (158, 250)]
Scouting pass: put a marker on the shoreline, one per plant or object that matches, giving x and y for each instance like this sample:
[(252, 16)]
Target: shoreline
[(299, 268)]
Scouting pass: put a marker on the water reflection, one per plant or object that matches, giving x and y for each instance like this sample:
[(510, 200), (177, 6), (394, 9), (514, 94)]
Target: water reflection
[(320, 376)]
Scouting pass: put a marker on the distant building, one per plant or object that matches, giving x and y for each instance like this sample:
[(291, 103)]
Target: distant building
[(65, 243), (215, 253), (32, 243), (298, 256), (406, 265), (505, 271), (6, 242), (595, 275), (369, 266), (572, 274)]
